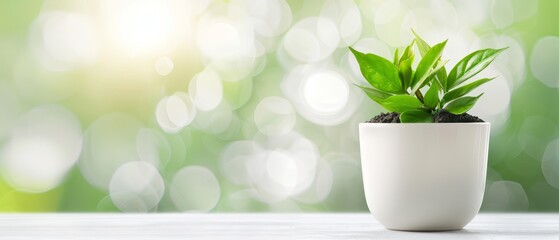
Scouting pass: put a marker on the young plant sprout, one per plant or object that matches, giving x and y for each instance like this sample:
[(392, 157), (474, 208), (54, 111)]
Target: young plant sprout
[(398, 87)]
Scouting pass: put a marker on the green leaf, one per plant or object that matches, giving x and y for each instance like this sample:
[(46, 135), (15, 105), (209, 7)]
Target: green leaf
[(431, 99), (421, 44), (441, 77), (471, 65), (416, 116), (423, 49), (374, 93), (379, 72), (400, 103), (462, 105), (426, 64), (396, 57), (405, 66), (408, 52), (461, 91), (435, 72), (406, 72)]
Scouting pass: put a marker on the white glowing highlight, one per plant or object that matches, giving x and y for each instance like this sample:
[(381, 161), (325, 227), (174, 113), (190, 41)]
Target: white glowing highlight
[(206, 90), (63, 41), (326, 92), (42, 148), (295, 159), (164, 66), (140, 26), (175, 112), (282, 172), (136, 187), (220, 40), (320, 95), (229, 45)]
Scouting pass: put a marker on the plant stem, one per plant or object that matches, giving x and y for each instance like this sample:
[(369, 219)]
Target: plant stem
[(419, 95)]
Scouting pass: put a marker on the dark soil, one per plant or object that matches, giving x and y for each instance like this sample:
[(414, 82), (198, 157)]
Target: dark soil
[(446, 117), (386, 118), (440, 117)]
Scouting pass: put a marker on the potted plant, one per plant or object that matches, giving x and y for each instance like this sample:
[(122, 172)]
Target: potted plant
[(424, 163)]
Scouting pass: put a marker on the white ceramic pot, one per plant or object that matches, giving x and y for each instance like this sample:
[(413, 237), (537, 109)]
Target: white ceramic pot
[(424, 176)]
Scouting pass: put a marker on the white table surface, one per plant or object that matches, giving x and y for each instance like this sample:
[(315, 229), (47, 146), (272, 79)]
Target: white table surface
[(260, 226)]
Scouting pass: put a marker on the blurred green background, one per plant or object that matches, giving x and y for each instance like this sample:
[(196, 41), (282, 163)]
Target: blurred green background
[(247, 105)]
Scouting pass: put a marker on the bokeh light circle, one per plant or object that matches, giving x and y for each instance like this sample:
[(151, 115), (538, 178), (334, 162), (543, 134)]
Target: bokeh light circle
[(269, 18), (153, 147), (228, 44), (164, 66), (175, 112), (502, 13), (140, 27), (550, 163), (321, 186), (206, 90), (195, 189), (326, 92), (215, 121), (197, 7), (506, 196), (296, 159), (274, 116), (108, 143), (136, 187), (236, 158), (472, 13), (322, 96), (534, 134), (311, 39), (64, 40), (282, 172), (387, 11), (543, 59), (222, 39), (10, 108), (439, 18), (388, 17), (346, 171), (347, 18), (43, 146)]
